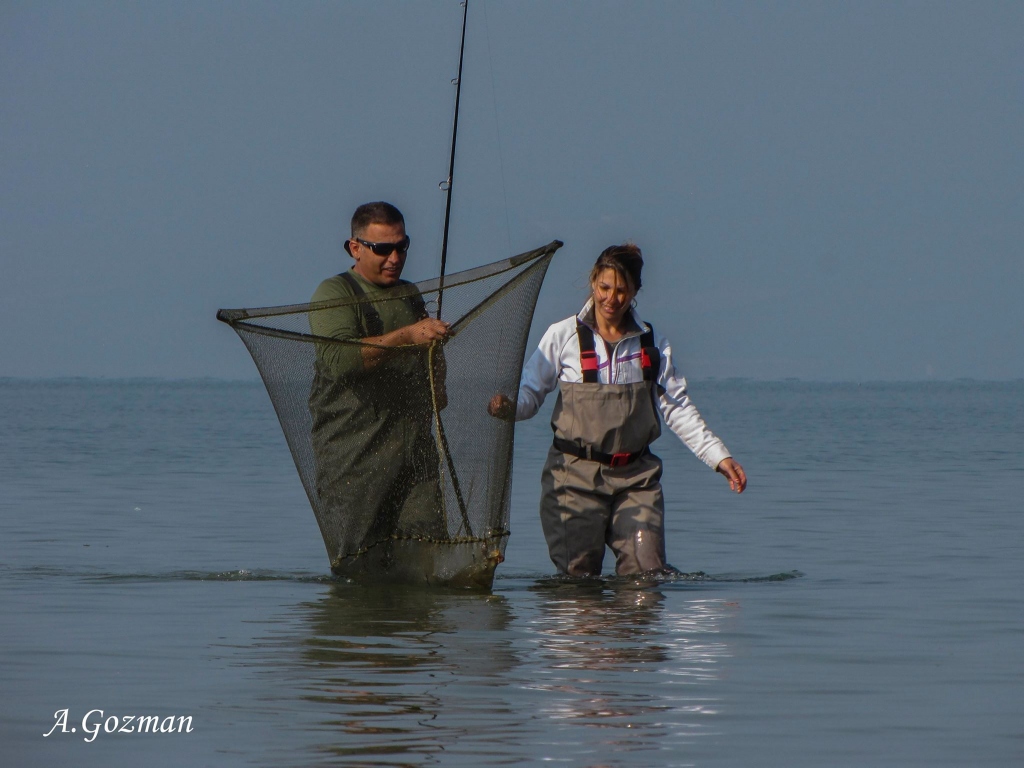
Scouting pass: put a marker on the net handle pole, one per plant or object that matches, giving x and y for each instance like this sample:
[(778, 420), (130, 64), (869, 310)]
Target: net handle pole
[(442, 440), (451, 160)]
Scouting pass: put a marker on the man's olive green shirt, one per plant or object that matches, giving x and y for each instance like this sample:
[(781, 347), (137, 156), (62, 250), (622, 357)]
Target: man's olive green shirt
[(394, 304)]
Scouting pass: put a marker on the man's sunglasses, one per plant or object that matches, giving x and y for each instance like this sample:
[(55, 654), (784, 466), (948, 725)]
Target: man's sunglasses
[(385, 249)]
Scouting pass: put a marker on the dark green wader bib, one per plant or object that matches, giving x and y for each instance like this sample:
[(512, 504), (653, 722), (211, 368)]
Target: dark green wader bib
[(586, 504), (376, 463)]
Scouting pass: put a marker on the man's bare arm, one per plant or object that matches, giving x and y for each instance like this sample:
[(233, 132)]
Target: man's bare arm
[(375, 348)]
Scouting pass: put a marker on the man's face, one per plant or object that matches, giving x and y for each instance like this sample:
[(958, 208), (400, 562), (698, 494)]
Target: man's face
[(380, 270)]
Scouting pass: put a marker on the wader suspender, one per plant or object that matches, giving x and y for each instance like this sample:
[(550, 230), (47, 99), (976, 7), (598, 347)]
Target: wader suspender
[(650, 355), (588, 355), (374, 326), (650, 361)]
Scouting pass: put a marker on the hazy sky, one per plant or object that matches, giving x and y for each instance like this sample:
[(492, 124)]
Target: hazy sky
[(822, 190)]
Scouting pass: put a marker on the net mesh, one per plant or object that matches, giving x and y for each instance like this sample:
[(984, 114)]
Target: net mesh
[(407, 473)]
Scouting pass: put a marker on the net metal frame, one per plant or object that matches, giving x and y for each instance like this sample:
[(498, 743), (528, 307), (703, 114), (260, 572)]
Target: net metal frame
[(433, 396)]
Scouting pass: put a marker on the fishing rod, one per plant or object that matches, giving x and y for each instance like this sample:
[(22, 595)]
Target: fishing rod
[(447, 185)]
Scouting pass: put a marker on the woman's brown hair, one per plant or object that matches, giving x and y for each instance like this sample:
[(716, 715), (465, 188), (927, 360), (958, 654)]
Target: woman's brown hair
[(626, 259)]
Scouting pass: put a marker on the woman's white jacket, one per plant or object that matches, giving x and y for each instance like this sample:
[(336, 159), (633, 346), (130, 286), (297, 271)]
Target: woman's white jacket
[(558, 358)]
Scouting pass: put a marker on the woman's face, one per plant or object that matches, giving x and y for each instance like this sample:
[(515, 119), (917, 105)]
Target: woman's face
[(612, 295)]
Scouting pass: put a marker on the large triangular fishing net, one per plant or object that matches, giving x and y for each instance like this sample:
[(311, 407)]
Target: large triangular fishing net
[(406, 471)]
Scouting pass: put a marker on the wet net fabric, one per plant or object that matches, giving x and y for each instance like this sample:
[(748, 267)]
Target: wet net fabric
[(407, 473)]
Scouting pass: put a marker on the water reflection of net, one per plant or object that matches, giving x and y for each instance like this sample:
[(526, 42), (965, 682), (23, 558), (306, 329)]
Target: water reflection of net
[(407, 474)]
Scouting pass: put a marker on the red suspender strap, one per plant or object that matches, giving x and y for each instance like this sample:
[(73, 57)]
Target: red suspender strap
[(650, 355), (588, 356)]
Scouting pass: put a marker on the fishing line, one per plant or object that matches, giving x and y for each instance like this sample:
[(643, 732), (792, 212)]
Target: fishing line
[(497, 130)]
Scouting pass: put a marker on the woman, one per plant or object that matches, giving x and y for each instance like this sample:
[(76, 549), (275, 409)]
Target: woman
[(615, 375)]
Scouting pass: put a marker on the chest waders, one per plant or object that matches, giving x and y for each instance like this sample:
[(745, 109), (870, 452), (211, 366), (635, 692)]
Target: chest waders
[(601, 485), (357, 420)]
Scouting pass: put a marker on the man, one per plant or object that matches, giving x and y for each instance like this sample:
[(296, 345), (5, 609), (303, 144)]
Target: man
[(372, 401)]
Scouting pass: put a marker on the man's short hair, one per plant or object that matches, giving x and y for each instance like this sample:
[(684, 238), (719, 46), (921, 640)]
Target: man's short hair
[(375, 213)]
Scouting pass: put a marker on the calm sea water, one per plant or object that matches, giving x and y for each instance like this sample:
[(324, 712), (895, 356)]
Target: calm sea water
[(863, 604)]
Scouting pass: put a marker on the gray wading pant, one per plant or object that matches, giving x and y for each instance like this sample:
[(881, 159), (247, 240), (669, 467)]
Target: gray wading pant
[(585, 504)]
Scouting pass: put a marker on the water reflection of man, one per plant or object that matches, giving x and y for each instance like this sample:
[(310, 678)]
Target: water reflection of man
[(371, 401), (397, 672)]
